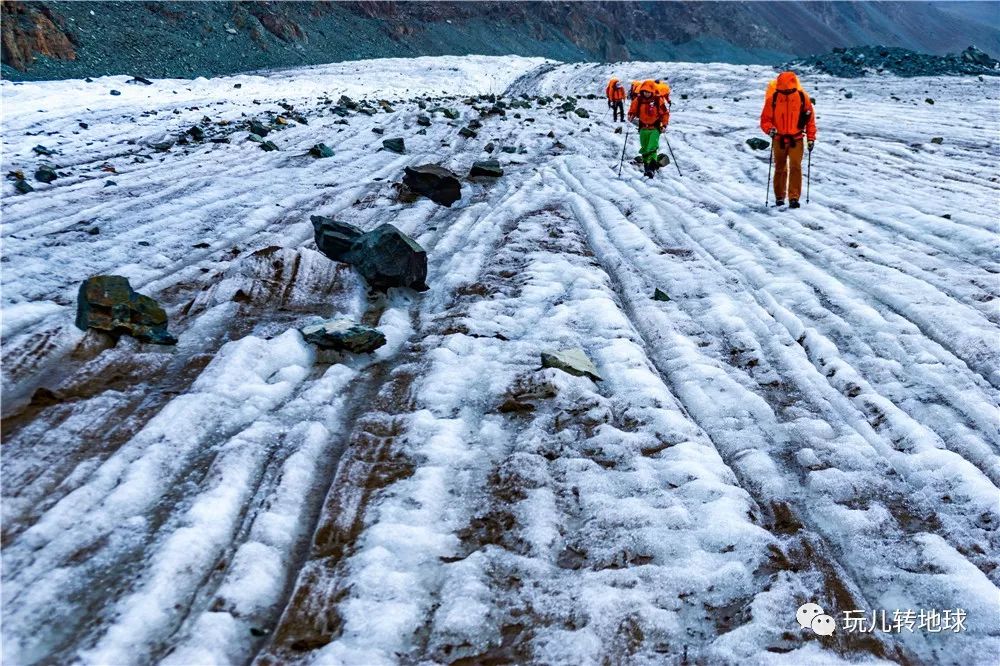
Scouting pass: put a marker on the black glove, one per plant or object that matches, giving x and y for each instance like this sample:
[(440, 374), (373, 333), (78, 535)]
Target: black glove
[(772, 132), (811, 145)]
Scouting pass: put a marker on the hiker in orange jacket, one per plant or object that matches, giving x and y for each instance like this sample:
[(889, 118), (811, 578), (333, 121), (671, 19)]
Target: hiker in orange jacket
[(649, 112), (787, 116), (615, 93), (633, 90)]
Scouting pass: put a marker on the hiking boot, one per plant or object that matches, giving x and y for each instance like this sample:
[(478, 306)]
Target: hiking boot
[(647, 170), (793, 203), (779, 202)]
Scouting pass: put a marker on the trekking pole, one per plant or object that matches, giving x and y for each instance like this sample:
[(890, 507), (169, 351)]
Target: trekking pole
[(675, 159), (809, 173), (605, 116), (770, 159), (622, 161)]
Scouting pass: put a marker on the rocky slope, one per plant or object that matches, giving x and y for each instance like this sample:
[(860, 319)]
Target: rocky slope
[(45, 40)]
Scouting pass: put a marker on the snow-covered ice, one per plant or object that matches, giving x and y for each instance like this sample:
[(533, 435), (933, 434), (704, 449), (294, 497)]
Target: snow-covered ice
[(812, 416)]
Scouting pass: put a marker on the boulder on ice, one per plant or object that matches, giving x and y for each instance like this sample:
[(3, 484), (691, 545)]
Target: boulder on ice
[(757, 143), (343, 334), (385, 257), (333, 238), (108, 303), (490, 168), (434, 182)]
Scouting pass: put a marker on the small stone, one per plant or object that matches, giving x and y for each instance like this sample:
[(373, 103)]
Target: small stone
[(23, 187), (237, 85), (378, 130), (396, 145), (93, 231), (45, 174), (196, 133), (140, 79), (618, 130), (490, 147), (467, 133), (84, 126), (757, 143), (660, 295), (321, 150), (343, 334), (42, 150), (110, 183), (116, 92), (848, 95), (258, 128), (573, 361), (938, 140), (509, 149), (929, 100), (424, 121), (268, 146), (583, 113), (475, 124)]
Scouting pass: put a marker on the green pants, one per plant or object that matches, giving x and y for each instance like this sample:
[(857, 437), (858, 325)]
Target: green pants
[(649, 144)]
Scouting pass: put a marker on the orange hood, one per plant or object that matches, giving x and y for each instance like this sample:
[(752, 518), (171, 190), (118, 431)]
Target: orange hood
[(788, 81), (648, 85)]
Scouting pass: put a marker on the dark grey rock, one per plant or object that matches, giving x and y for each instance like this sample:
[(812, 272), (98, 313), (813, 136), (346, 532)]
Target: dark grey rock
[(660, 295), (583, 113), (396, 145), (333, 238), (42, 150), (757, 143), (509, 149), (434, 182), (108, 303), (45, 174), (258, 128), (196, 133), (321, 150), (424, 121), (269, 146), (490, 147), (386, 257), (116, 93), (938, 140), (343, 335), (467, 133), (23, 187), (489, 168)]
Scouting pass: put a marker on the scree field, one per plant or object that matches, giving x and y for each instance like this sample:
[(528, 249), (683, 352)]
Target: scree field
[(808, 412)]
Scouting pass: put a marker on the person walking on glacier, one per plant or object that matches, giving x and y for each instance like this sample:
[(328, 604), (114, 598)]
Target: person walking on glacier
[(788, 117), (615, 93), (650, 114)]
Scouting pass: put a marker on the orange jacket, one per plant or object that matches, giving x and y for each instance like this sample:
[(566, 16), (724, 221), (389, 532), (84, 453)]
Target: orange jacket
[(633, 90), (663, 90), (651, 111), (615, 92), (788, 109)]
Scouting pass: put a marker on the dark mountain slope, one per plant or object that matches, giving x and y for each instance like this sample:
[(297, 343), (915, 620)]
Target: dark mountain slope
[(70, 39)]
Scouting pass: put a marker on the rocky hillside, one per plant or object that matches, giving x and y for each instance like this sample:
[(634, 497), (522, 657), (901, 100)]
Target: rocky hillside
[(45, 40)]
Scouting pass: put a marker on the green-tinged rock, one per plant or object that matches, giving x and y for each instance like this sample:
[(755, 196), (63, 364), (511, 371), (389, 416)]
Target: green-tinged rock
[(333, 238), (386, 257), (343, 335), (509, 149), (938, 140), (23, 187), (45, 174), (757, 143), (573, 361), (396, 145), (258, 128), (467, 133), (424, 121), (321, 150), (269, 146), (42, 150), (583, 113), (196, 133), (490, 168), (660, 295), (348, 102), (108, 303)]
